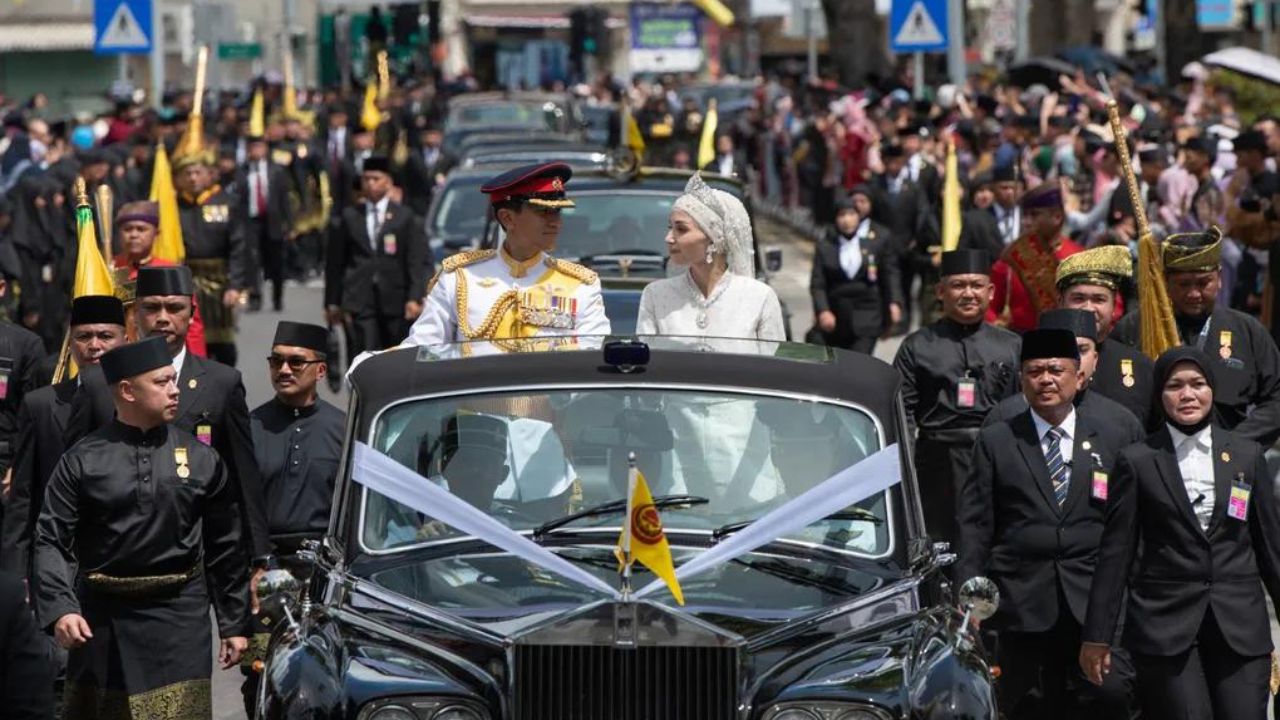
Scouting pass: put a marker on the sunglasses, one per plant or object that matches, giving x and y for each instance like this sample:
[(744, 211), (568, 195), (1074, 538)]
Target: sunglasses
[(296, 364)]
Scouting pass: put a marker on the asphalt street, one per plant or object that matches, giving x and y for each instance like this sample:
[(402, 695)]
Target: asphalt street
[(303, 303)]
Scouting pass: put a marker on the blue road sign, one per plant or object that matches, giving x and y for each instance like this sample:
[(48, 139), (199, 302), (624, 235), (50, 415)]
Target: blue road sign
[(121, 27), (918, 26)]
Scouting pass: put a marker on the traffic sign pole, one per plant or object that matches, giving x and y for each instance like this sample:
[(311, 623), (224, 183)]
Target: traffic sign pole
[(918, 71), (955, 48), (157, 59)]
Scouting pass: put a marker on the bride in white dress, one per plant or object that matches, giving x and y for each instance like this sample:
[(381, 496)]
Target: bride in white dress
[(721, 450), (715, 293)]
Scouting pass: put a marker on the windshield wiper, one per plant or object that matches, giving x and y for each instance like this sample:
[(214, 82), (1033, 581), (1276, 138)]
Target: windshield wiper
[(615, 506), (644, 257), (849, 514)]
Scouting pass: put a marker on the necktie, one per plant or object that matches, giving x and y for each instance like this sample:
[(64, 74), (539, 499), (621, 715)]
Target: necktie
[(260, 195), (1057, 466)]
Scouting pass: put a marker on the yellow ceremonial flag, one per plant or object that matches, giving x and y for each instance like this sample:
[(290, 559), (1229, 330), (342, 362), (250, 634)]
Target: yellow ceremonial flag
[(707, 146), (631, 137), (92, 275), (951, 202), (370, 115), (642, 537), (169, 245), (257, 115), (719, 13)]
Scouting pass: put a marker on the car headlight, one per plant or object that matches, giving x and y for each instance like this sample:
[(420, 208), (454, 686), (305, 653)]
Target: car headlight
[(825, 711), (421, 708)]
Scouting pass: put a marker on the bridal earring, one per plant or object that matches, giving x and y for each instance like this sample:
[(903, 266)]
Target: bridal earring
[(710, 256)]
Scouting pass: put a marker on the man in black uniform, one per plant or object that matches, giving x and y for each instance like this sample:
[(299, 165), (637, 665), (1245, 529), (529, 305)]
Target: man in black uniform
[(1091, 281), (44, 418), (212, 400), (1247, 396), (297, 440), (20, 353), (263, 190), (953, 372), (1031, 517), (377, 265), (217, 251), (26, 672), (140, 534), (1112, 417)]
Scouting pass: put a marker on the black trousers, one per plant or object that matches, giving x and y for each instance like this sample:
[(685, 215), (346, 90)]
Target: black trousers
[(941, 465), (1041, 678), (270, 254), (374, 331), (1207, 682)]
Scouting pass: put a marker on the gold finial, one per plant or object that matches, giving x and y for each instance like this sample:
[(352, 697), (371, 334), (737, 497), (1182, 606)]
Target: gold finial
[(82, 193), (384, 76)]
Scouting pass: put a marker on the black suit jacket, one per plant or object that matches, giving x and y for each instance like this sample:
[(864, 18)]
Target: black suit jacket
[(363, 280), (739, 169), (43, 417), (212, 394), (904, 214), (1012, 530), (861, 303), (26, 669), (979, 231), (1183, 570), (420, 180), (279, 214)]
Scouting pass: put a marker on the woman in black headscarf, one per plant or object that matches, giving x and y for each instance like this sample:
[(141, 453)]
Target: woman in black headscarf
[(855, 286), (1199, 502)]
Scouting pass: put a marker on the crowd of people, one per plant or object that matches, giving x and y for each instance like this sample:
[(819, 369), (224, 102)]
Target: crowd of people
[(1122, 504)]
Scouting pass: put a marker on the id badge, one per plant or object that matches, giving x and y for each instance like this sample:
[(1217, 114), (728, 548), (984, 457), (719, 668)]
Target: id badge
[(1238, 505), (966, 392), (4, 385), (872, 271), (1099, 491), (46, 273), (204, 433), (389, 244)]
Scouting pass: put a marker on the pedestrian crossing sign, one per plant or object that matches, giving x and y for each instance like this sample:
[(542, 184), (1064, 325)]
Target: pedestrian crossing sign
[(122, 26), (918, 25)]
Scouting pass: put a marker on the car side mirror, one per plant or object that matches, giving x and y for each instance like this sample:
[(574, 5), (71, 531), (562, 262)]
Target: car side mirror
[(277, 594), (979, 598), (773, 258)]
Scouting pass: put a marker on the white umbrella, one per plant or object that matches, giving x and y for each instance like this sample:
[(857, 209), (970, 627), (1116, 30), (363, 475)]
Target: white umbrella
[(1246, 61)]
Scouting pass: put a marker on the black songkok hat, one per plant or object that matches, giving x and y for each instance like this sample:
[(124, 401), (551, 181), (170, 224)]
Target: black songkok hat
[(1081, 323), (892, 151), (1007, 172), (1043, 343), (1250, 140), (965, 262), (312, 337), (134, 359), (475, 431), (97, 310), (377, 163), (173, 280)]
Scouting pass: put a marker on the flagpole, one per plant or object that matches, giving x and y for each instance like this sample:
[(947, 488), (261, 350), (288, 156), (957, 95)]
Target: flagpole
[(626, 527)]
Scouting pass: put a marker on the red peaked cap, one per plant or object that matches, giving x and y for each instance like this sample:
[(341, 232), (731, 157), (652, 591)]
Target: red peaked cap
[(546, 180)]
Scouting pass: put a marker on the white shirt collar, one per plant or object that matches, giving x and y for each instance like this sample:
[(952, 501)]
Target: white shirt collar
[(381, 205), (1068, 425), (1204, 438), (179, 359)]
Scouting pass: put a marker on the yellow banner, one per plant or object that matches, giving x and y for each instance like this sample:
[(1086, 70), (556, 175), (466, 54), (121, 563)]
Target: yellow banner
[(647, 542), (169, 245)]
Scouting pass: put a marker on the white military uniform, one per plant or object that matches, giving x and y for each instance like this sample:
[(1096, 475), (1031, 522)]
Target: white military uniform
[(486, 295)]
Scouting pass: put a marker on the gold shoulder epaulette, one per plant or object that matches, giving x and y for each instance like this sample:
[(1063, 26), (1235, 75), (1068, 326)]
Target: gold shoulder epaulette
[(463, 259), (580, 272), (282, 157)]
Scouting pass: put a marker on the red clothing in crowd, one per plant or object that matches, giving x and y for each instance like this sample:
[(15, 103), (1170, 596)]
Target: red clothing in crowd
[(195, 333), (1010, 291)]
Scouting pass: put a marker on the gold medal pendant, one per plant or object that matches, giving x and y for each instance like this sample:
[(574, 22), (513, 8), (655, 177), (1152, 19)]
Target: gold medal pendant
[(1224, 340), (183, 472), (1128, 381)]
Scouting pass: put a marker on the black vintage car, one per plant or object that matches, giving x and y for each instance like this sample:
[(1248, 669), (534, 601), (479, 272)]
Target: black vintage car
[(408, 617)]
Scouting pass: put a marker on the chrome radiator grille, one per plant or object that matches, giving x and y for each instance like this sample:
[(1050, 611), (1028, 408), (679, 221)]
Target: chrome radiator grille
[(581, 682)]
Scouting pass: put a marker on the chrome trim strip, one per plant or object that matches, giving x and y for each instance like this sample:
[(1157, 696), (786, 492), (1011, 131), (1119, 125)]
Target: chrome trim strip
[(863, 602), (426, 612), (760, 392)]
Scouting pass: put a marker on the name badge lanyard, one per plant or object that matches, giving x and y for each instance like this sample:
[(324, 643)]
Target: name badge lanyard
[(967, 386)]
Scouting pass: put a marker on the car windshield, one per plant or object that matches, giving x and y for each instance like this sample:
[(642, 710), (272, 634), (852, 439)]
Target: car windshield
[(615, 223), (530, 458), (462, 211), (504, 113)]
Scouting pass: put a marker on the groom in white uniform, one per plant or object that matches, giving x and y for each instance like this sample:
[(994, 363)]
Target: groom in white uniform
[(518, 293)]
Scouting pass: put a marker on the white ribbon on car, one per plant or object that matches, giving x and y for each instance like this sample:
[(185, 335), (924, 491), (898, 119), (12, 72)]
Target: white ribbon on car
[(850, 486), (384, 475)]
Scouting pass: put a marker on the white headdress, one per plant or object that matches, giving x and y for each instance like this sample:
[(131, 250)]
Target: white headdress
[(724, 220)]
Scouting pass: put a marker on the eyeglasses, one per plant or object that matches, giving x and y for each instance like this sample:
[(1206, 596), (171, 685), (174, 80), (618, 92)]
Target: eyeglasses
[(296, 364)]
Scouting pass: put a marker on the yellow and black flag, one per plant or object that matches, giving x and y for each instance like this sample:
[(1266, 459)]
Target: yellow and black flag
[(642, 536)]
